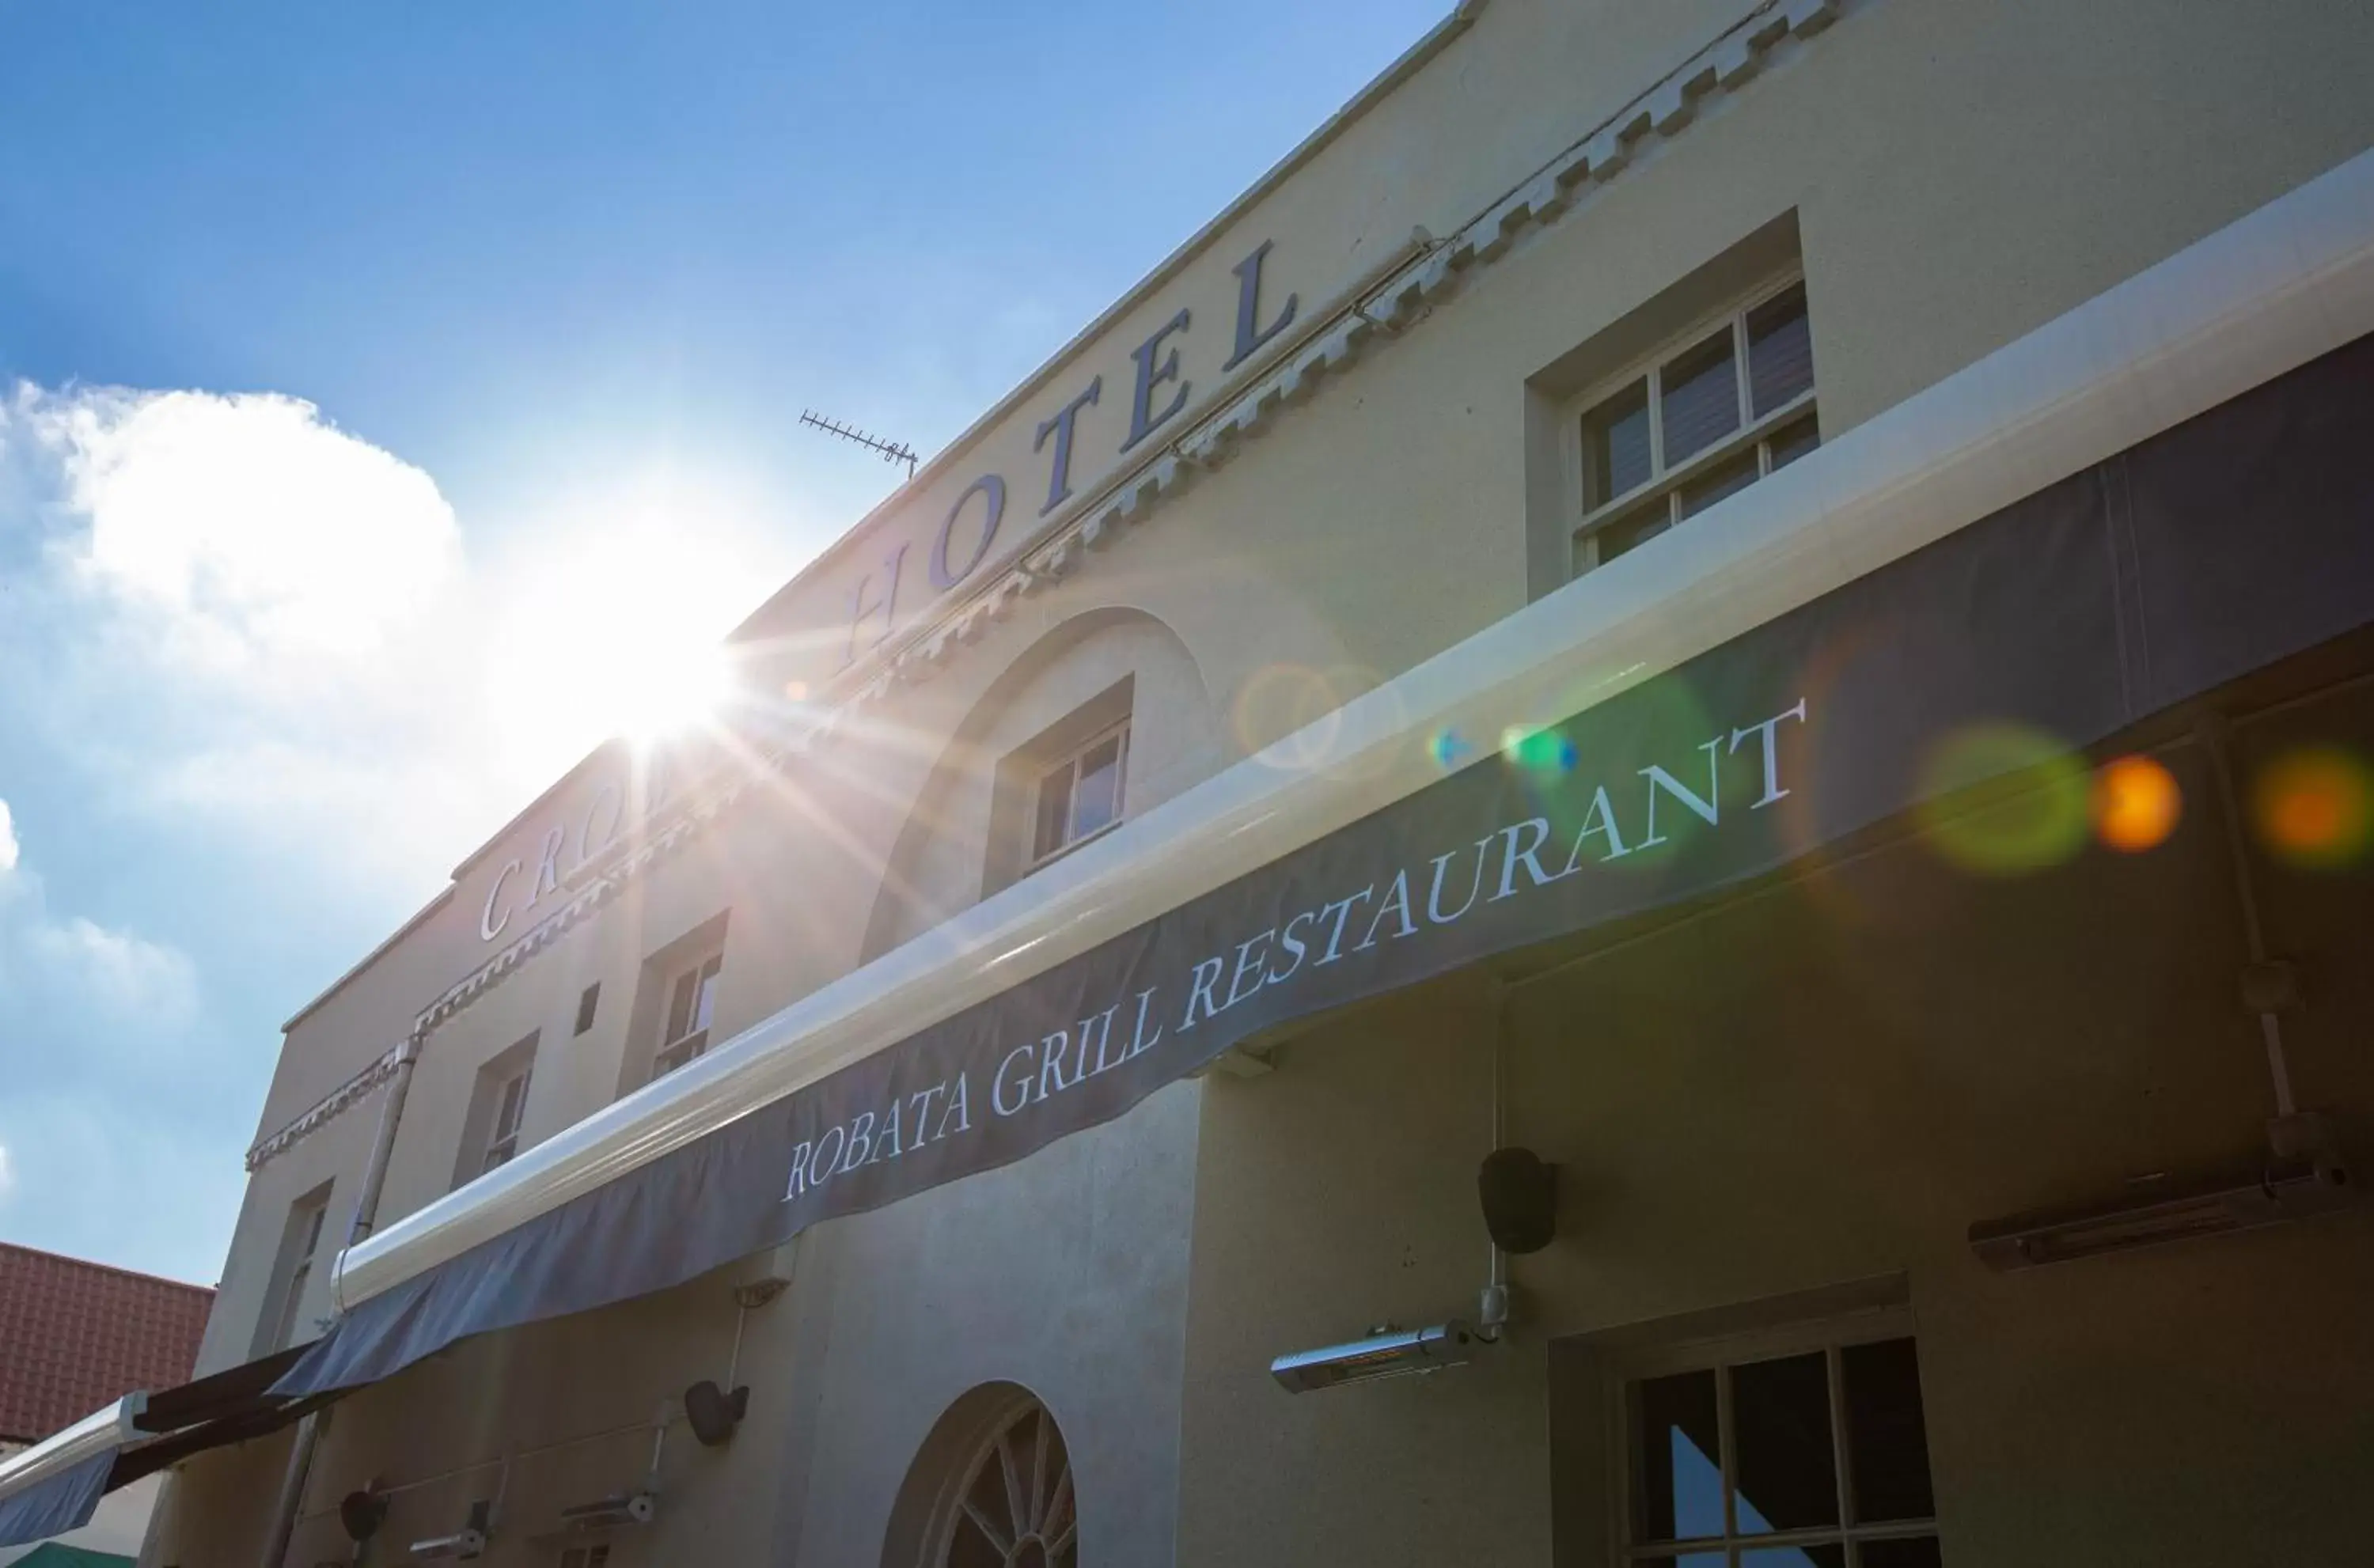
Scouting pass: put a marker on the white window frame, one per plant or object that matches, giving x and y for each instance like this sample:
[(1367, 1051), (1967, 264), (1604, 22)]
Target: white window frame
[(1068, 764), (1754, 431), (502, 1142), (704, 973), (1829, 1336)]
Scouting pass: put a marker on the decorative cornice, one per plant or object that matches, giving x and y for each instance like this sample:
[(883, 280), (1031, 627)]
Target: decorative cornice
[(1370, 318), (344, 1094)]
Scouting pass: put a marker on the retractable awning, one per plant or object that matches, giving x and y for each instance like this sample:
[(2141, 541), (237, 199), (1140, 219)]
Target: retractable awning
[(2156, 493), (55, 1485)]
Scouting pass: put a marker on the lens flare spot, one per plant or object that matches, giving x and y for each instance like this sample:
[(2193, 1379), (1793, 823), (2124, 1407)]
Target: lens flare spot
[(2003, 800), (1294, 708), (2136, 804), (1538, 750), (2315, 807), (1447, 749)]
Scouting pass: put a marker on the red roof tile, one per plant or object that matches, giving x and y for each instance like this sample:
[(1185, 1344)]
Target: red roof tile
[(74, 1336)]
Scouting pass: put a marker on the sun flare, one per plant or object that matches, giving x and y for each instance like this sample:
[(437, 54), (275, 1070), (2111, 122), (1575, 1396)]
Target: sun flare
[(619, 634), (671, 688)]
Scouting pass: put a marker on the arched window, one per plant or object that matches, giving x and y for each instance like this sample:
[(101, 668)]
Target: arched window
[(1015, 1508)]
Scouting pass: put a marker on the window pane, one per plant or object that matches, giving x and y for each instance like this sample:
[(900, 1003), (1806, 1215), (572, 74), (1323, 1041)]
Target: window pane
[(1700, 399), (1096, 800), (286, 1334), (706, 1000), (1779, 351), (1725, 478), (1919, 1552), (1677, 1475), (1628, 534), (1615, 446), (1794, 440), (680, 1005), (1888, 1447), (1781, 1438), (507, 1115), (1054, 812), (1826, 1556)]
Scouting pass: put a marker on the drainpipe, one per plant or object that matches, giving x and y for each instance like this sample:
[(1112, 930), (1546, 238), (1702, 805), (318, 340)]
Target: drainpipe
[(1492, 1309), (311, 1427), (390, 1111), (2270, 986)]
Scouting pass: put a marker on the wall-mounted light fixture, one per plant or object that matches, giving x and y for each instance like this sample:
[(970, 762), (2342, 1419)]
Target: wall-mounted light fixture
[(611, 1512), (1385, 1352), (2163, 1210), (468, 1541)]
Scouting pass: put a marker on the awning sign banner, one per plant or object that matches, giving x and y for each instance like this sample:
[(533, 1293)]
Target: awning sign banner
[(2224, 544)]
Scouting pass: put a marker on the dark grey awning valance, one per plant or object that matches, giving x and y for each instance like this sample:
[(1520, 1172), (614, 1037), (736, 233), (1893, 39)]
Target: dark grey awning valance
[(55, 1486), (61, 1501), (2226, 542)]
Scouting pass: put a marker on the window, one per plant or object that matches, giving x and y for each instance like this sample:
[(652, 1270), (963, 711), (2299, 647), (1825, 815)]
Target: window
[(1815, 1456), (300, 1276), (1061, 787), (691, 996), (292, 1271), (586, 1003), (1719, 409), (510, 1106), (595, 1556), (492, 1130), (1079, 796), (1015, 1505)]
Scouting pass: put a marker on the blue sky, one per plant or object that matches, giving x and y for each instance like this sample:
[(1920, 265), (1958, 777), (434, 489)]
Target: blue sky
[(364, 368)]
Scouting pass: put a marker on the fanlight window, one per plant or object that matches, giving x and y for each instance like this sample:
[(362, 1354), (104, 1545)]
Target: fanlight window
[(1017, 1508)]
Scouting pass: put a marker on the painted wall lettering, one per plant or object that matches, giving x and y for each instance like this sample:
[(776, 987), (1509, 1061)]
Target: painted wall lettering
[(490, 927), (1251, 336), (1159, 390), (1153, 372), (520, 883), (1059, 472), (991, 491), (873, 599)]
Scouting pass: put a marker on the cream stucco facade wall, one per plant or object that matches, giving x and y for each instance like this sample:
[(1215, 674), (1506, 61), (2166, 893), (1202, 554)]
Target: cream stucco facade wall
[(1948, 175)]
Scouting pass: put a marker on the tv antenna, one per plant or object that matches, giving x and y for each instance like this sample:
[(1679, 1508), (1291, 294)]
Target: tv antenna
[(892, 452)]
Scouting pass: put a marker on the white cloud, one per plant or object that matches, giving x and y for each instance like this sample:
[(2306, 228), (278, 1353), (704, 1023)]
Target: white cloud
[(259, 697), (248, 622), (116, 972), (254, 528), (7, 1175), (251, 628)]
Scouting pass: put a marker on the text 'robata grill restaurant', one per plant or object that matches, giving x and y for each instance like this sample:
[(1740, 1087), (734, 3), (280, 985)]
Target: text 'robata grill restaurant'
[(1680, 731)]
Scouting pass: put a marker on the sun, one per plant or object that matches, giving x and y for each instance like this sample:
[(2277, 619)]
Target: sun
[(618, 631), (670, 688)]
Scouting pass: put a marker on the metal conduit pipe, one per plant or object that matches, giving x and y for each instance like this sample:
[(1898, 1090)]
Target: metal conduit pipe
[(1492, 1314), (2259, 984), (311, 1427)]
